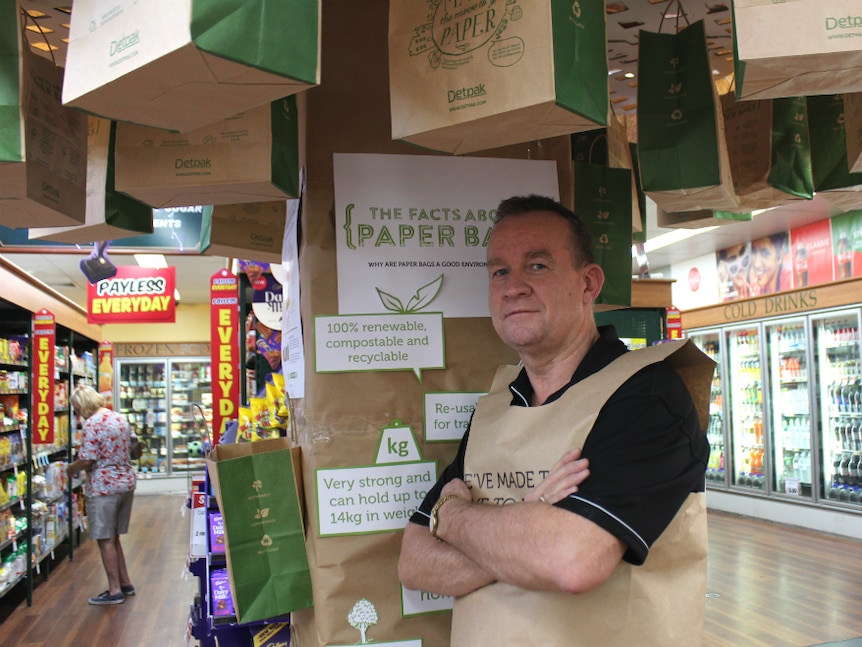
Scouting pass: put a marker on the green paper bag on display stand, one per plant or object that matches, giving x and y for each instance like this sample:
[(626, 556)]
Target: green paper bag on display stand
[(111, 215), (603, 200), (468, 77), (183, 64), (769, 150), (43, 145), (833, 180), (258, 487), (682, 154), (252, 156)]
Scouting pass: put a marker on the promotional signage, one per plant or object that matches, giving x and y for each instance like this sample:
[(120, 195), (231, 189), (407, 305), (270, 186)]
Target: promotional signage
[(44, 335), (133, 295), (224, 318)]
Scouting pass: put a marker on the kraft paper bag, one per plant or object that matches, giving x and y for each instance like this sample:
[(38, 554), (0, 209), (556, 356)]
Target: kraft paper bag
[(603, 200), (796, 48), (258, 487), (183, 64), (698, 219), (355, 574), (833, 180), (466, 77), (682, 154), (110, 215), (251, 231), (43, 146), (769, 150), (853, 130), (252, 156)]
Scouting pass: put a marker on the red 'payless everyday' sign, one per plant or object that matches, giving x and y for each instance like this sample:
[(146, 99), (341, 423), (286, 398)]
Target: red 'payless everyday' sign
[(224, 330), (44, 336), (134, 295)]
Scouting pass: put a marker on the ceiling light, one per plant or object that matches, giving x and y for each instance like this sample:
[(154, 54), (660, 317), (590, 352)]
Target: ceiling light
[(156, 261), (630, 75)]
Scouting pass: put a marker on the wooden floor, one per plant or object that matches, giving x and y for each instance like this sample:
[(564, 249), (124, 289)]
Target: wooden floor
[(769, 586)]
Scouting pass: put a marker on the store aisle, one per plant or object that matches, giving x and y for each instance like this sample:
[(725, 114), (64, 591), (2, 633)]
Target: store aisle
[(769, 585), (156, 549)]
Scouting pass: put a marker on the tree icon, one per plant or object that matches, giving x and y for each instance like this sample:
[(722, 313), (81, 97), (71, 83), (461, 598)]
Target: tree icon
[(361, 616)]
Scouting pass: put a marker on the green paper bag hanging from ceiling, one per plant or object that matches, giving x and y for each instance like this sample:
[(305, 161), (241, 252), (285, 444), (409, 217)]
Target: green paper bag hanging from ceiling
[(111, 215), (466, 77), (603, 200), (681, 150), (43, 167), (833, 180), (258, 488), (183, 64)]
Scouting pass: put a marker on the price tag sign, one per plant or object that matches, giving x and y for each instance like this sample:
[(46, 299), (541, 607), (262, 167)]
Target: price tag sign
[(791, 486)]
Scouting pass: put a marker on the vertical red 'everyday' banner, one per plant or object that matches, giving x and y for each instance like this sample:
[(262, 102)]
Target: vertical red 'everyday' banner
[(224, 329), (42, 382)]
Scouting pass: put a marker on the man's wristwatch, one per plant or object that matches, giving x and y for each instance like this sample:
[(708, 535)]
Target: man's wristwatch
[(432, 523)]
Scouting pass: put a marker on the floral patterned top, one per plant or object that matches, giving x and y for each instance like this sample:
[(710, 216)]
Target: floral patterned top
[(106, 441)]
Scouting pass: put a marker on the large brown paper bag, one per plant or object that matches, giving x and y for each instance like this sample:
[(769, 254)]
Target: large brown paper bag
[(354, 569), (252, 156), (250, 231), (110, 214), (769, 150), (183, 64), (43, 146), (466, 77), (853, 130), (797, 48)]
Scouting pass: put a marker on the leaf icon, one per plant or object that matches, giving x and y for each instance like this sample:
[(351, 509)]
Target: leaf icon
[(264, 513), (389, 301), (425, 295)]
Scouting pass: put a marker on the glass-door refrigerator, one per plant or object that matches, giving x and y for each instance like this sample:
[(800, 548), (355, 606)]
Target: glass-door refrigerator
[(789, 407), (190, 385), (836, 336), (710, 343), (745, 407), (157, 398)]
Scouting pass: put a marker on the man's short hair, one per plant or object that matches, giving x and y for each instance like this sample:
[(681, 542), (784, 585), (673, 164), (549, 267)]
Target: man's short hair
[(582, 239)]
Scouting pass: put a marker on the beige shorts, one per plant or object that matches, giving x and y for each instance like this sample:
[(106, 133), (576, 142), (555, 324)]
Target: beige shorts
[(108, 516)]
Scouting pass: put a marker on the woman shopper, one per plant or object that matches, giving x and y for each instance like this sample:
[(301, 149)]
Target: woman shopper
[(110, 487)]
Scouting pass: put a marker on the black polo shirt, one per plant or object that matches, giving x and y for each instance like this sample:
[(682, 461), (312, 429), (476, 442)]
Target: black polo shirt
[(646, 451)]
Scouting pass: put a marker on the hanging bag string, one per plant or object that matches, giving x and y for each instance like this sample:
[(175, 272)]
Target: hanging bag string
[(25, 42), (680, 12)]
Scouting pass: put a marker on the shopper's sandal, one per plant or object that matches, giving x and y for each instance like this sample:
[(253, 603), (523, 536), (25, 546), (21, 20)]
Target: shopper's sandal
[(127, 589), (106, 598)]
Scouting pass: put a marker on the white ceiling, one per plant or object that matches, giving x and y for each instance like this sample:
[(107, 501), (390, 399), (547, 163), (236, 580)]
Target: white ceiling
[(624, 20)]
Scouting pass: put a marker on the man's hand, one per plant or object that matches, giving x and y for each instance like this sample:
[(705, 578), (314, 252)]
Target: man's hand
[(565, 477)]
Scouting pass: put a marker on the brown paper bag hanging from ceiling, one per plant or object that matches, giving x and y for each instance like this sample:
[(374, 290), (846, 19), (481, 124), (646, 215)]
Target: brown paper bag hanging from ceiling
[(250, 157), (853, 130), (769, 150), (110, 214), (470, 77), (800, 48), (251, 231), (183, 64), (43, 146)]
